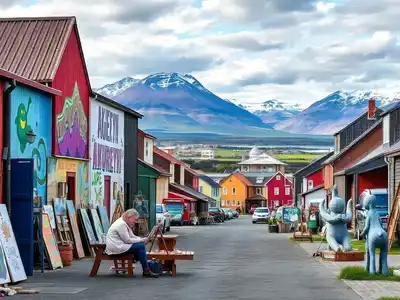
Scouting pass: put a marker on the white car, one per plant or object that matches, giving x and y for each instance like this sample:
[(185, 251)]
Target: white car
[(163, 217), (261, 214)]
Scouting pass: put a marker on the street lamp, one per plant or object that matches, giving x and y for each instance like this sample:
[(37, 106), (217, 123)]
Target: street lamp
[(31, 136)]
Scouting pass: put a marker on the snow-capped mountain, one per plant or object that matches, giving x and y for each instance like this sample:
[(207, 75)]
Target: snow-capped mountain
[(173, 101), (116, 88), (333, 112), (271, 111)]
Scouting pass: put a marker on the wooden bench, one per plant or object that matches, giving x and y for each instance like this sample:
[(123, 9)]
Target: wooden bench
[(122, 263), (168, 258)]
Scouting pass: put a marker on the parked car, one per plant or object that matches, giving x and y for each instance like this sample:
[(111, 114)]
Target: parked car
[(217, 213), (163, 217), (227, 215), (260, 214), (231, 213), (382, 209), (235, 214)]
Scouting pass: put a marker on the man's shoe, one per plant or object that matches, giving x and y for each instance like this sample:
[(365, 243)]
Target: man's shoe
[(150, 274)]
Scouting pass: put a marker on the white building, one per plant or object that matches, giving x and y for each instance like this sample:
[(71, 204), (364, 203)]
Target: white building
[(208, 154), (261, 162)]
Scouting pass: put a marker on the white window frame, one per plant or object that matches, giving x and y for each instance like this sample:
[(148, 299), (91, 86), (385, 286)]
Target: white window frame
[(225, 191), (287, 190), (233, 202), (278, 177), (201, 189), (228, 203), (222, 202), (310, 184), (276, 191), (386, 129)]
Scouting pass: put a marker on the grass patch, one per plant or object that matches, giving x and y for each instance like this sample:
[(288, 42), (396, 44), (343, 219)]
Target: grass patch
[(359, 273), (388, 298)]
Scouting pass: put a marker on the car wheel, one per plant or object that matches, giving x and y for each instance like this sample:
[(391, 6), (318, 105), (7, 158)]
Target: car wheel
[(254, 222)]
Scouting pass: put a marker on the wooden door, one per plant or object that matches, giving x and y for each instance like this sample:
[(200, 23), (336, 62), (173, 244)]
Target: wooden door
[(107, 190), (71, 187)]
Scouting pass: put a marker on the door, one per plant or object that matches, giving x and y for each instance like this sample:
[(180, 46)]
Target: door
[(107, 190), (71, 187), (22, 218), (152, 203)]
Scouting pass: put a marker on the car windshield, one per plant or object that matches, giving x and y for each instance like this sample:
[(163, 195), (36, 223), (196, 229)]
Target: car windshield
[(262, 210), (213, 209), (381, 200), (159, 209), (175, 207)]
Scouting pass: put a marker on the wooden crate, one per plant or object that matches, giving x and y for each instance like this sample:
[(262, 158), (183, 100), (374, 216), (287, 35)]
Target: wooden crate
[(343, 256)]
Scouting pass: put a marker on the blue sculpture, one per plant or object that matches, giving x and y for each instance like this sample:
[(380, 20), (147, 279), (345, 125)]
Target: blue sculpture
[(376, 237), (336, 219)]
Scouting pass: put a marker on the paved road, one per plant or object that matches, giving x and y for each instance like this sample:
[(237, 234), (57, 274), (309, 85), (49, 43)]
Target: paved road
[(234, 260)]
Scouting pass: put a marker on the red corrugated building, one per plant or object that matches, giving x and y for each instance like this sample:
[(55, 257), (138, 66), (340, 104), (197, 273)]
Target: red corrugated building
[(279, 191)]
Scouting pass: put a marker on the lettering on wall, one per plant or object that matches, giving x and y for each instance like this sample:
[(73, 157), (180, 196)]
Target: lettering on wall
[(72, 127)]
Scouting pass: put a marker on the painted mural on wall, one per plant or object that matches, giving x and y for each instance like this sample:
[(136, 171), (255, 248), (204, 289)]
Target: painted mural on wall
[(107, 152), (57, 172), (31, 109), (72, 127)]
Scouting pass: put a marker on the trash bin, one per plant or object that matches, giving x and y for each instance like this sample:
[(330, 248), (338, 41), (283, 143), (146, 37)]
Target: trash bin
[(312, 225)]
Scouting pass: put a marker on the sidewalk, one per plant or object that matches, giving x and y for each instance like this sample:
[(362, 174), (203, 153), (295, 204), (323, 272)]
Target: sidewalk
[(367, 289)]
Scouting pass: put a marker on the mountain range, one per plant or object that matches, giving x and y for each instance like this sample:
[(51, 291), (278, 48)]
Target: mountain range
[(179, 103)]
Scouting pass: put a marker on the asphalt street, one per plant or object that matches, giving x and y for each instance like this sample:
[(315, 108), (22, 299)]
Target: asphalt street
[(233, 260)]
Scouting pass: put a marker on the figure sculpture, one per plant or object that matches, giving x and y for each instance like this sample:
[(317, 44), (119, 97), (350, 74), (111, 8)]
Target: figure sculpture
[(336, 219), (376, 237)]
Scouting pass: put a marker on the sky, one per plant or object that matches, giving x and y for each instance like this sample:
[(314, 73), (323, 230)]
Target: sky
[(296, 51)]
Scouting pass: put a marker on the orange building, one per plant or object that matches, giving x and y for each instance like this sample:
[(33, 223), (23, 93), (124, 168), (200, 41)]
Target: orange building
[(235, 191)]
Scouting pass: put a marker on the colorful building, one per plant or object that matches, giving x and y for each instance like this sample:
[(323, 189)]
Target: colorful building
[(235, 191), (259, 161), (279, 191), (210, 188), (56, 60)]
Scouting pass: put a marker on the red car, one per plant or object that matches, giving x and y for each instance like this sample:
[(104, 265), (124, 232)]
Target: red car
[(217, 213)]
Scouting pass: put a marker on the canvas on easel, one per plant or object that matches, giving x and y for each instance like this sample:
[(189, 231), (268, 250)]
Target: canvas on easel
[(119, 210), (51, 244)]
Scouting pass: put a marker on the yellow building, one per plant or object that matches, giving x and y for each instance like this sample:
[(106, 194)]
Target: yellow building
[(212, 189)]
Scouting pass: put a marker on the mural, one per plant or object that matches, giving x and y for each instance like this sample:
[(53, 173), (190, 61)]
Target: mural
[(57, 172), (107, 152), (72, 127), (31, 109)]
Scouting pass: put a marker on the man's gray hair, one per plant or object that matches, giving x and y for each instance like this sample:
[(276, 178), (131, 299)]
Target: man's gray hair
[(131, 213)]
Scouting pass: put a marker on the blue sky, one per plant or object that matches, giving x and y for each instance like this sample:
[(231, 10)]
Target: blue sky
[(296, 51)]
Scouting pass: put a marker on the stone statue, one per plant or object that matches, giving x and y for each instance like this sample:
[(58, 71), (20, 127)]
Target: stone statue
[(376, 237), (336, 219)]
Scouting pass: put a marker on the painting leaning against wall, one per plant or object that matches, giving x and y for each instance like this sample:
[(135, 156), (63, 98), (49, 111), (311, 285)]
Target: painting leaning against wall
[(31, 109)]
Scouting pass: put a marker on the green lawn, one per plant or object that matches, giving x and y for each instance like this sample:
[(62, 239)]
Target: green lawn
[(388, 298), (359, 273)]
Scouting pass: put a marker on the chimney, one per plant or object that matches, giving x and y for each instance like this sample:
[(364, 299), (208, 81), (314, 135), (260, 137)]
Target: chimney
[(371, 108)]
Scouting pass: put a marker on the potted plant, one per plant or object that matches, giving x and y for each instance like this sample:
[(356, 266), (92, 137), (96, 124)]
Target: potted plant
[(272, 226)]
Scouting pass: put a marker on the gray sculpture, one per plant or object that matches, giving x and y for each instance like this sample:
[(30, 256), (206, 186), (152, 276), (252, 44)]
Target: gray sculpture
[(336, 219), (376, 237)]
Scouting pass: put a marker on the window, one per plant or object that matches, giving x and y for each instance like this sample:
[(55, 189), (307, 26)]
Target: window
[(200, 189), (386, 129), (228, 203), (225, 191), (258, 191), (233, 202), (287, 190), (276, 191), (233, 191), (222, 202), (238, 202), (276, 203), (310, 184), (278, 177)]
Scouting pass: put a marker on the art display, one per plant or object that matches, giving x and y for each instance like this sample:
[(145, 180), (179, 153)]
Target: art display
[(376, 238), (7, 238), (290, 214), (96, 224), (80, 253), (4, 275), (141, 206), (29, 111), (88, 227), (60, 207), (336, 219), (103, 218), (48, 209), (50, 243), (107, 152)]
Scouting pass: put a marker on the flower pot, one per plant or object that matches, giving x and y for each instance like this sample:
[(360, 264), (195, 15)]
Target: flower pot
[(66, 254), (272, 228)]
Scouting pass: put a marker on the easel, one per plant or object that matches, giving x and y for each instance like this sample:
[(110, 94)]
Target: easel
[(153, 236), (304, 235), (119, 210)]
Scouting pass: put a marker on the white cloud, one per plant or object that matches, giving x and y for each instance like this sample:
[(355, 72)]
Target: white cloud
[(296, 51)]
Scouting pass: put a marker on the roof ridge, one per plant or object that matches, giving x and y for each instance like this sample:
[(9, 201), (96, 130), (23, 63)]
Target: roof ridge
[(49, 18)]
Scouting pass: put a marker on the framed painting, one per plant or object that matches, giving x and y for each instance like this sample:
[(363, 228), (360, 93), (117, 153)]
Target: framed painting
[(59, 207), (96, 224), (142, 207), (80, 253), (50, 243), (103, 218), (88, 227), (4, 275), (48, 209), (9, 244)]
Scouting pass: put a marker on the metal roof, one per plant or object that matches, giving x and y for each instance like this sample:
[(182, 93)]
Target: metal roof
[(262, 159), (33, 47), (209, 181), (188, 190), (259, 180), (110, 102)]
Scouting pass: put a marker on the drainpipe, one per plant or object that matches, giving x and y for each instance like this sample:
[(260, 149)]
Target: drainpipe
[(388, 162), (7, 89)]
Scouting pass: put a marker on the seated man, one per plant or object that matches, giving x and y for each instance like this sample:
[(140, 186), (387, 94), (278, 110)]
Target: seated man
[(121, 240)]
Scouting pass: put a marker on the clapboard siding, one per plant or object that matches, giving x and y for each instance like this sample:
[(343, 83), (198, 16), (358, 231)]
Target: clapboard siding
[(354, 130), (396, 174), (394, 126)]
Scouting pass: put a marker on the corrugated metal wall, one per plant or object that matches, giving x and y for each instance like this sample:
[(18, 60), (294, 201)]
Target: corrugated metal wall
[(1, 141)]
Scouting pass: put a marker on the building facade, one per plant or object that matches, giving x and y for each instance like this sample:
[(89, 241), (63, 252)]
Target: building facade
[(279, 191), (210, 188), (259, 161)]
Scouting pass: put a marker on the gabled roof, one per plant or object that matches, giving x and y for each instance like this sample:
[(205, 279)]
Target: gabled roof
[(278, 173), (314, 163), (189, 191), (239, 176), (156, 169), (392, 108), (173, 160), (209, 181), (378, 113), (145, 134), (116, 105), (259, 180), (315, 188), (355, 142), (393, 149), (262, 159), (33, 47), (24, 81)]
